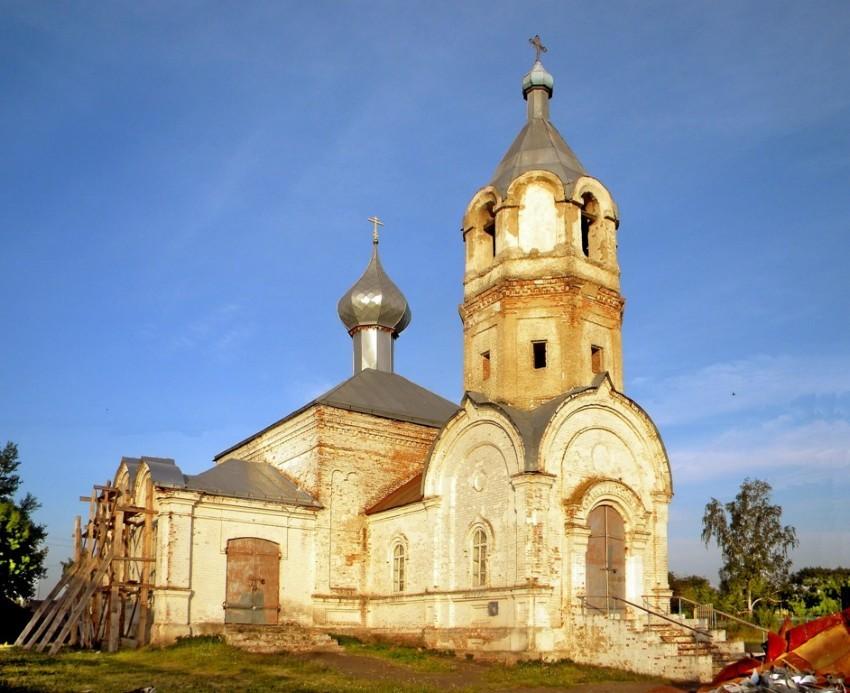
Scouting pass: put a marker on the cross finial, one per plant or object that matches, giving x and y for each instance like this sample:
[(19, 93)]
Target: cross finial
[(375, 224), (538, 46)]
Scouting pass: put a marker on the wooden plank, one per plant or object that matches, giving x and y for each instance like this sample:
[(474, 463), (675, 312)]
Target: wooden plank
[(147, 555), (80, 605), (46, 631), (43, 607), (115, 602), (134, 509)]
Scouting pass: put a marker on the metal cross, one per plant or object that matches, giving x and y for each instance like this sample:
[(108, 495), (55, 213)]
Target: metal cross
[(375, 224), (538, 45)]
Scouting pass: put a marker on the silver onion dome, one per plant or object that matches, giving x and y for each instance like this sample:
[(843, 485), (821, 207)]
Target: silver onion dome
[(374, 300)]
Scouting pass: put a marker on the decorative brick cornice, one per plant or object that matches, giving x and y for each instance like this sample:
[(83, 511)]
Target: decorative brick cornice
[(531, 288)]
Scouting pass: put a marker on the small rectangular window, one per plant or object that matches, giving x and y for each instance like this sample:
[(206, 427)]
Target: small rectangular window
[(597, 360), (485, 365), (539, 352)]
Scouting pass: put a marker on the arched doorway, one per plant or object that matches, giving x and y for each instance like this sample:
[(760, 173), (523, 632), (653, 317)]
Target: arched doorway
[(606, 559), (253, 578)]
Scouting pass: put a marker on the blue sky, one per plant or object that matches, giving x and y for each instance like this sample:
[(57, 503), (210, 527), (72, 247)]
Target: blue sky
[(184, 191)]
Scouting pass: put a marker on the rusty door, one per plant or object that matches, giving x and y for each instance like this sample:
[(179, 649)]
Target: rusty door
[(606, 559), (253, 574)]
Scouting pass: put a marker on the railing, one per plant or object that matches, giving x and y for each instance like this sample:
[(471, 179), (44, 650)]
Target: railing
[(619, 607), (708, 612)]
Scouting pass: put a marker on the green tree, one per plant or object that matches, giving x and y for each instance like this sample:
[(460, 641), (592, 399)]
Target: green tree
[(22, 552), (753, 542), (694, 587), (814, 592)]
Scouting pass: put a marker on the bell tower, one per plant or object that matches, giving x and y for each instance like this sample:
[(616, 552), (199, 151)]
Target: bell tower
[(542, 311)]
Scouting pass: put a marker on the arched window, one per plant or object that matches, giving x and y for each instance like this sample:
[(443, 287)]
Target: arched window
[(490, 230), (479, 558), (589, 215), (399, 560)]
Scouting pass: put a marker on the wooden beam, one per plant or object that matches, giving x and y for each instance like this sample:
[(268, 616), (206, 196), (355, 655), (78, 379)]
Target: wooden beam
[(148, 558), (117, 573)]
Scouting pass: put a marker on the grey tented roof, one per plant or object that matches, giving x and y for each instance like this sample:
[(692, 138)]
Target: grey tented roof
[(255, 480), (538, 147), (379, 393)]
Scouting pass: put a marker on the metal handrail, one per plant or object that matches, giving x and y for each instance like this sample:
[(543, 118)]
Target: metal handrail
[(700, 632), (722, 613)]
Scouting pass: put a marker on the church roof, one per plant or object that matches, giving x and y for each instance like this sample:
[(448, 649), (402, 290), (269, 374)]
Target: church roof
[(255, 480), (538, 147), (379, 393), (408, 492), (391, 396)]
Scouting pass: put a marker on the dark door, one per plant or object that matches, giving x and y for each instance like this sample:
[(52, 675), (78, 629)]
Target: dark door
[(606, 559), (253, 573)]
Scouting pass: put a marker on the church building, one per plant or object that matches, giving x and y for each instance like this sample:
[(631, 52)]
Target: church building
[(527, 521)]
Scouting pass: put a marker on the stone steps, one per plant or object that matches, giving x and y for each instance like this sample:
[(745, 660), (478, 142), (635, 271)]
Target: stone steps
[(282, 637)]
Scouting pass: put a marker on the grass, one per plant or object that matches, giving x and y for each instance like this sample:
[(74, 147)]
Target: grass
[(197, 664), (413, 658), (562, 674), (208, 664)]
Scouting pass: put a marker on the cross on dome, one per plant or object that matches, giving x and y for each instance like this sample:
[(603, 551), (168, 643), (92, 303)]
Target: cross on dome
[(376, 222), (538, 46)]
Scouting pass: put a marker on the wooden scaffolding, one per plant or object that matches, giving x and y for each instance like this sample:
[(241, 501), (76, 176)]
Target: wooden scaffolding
[(104, 599)]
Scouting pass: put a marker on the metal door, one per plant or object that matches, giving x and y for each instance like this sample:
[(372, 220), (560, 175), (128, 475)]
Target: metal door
[(606, 559), (253, 574)]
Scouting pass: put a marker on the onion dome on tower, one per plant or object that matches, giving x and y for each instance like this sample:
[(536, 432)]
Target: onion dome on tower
[(539, 146), (374, 311)]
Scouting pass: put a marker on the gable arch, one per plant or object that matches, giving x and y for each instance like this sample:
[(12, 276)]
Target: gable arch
[(609, 413), (469, 430)]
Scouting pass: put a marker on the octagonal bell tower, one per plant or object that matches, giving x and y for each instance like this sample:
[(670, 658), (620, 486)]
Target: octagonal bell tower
[(542, 311)]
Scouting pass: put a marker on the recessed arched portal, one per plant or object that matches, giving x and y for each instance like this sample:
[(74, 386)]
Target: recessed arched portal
[(253, 578), (606, 559)]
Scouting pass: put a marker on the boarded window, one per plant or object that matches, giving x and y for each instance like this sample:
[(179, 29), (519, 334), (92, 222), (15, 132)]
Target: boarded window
[(485, 365), (597, 359), (538, 350)]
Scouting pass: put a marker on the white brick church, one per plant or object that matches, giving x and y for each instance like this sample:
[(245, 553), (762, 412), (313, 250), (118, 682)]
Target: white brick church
[(527, 521)]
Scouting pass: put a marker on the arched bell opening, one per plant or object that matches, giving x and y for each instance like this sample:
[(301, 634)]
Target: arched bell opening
[(605, 560)]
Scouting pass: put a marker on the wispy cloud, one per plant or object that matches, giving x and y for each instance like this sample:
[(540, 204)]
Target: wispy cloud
[(218, 332), (791, 452), (754, 383)]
